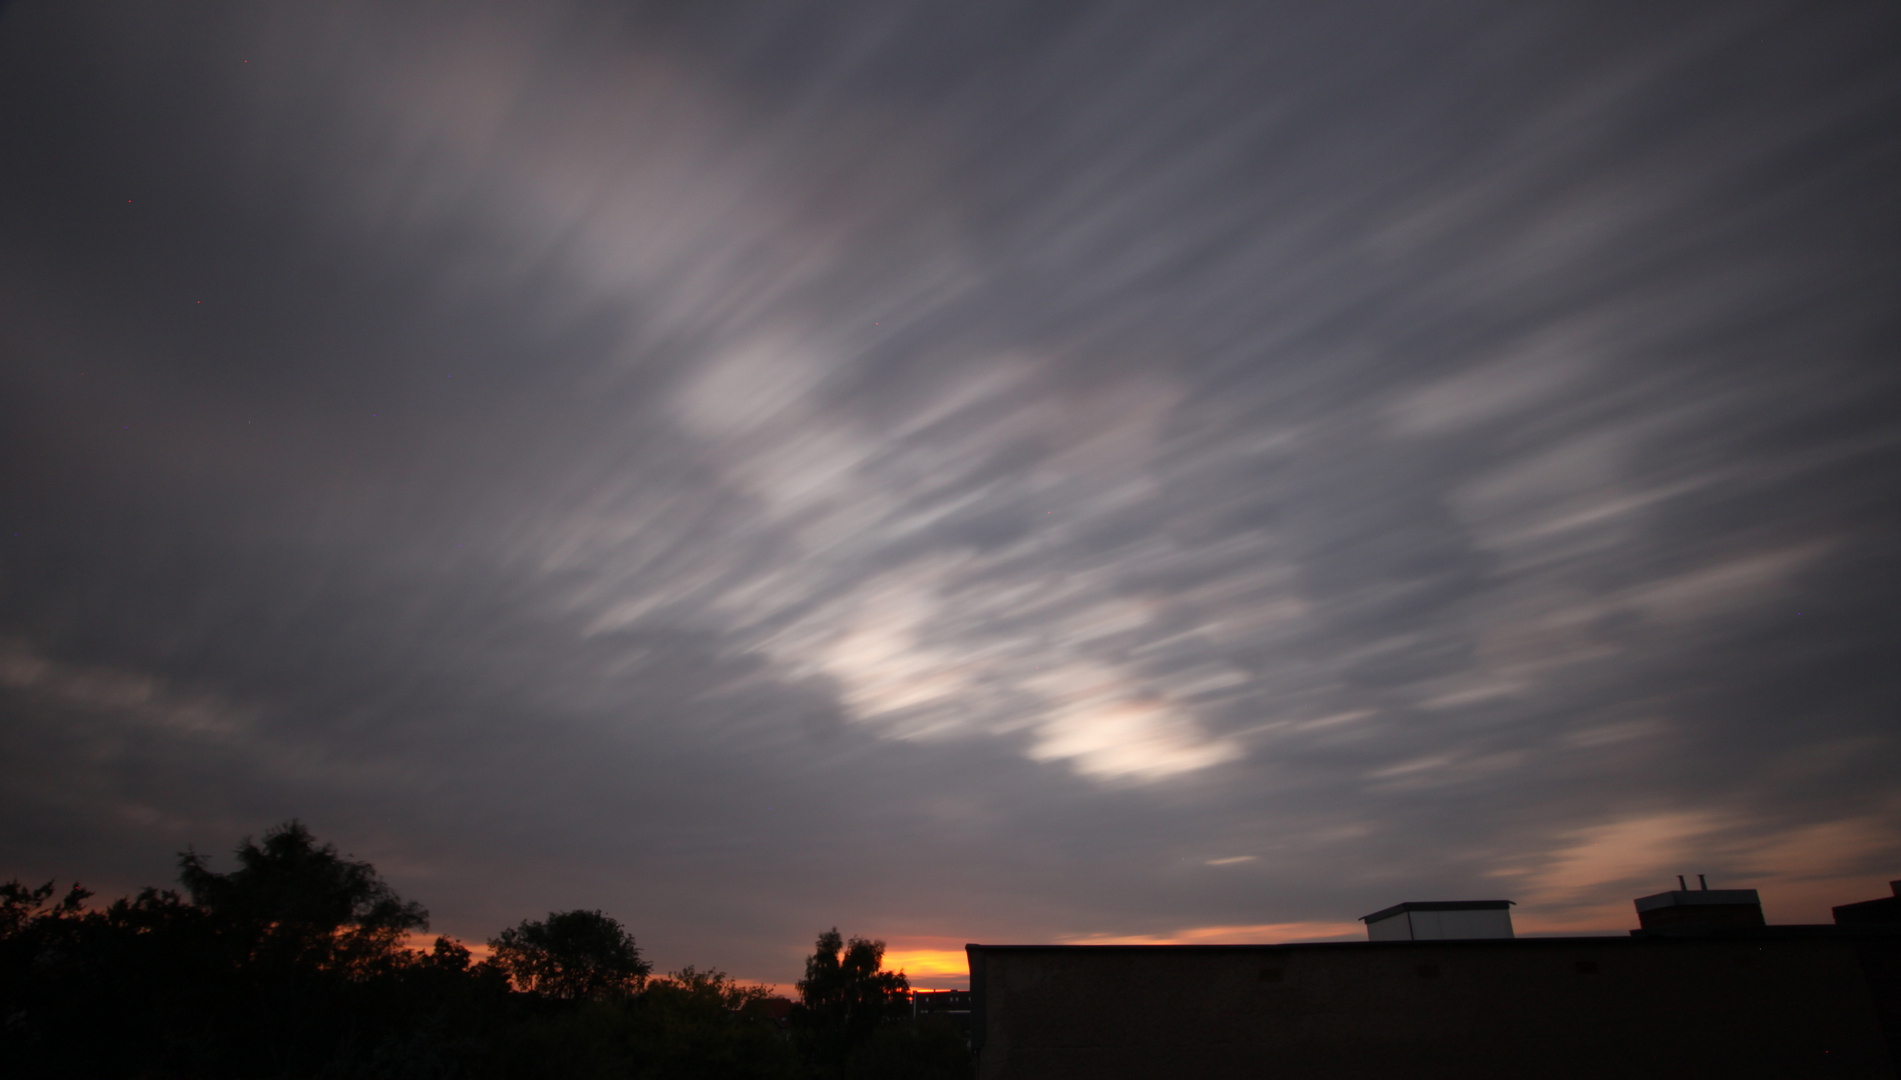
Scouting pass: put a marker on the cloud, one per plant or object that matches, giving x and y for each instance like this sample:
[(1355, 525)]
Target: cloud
[(952, 473), (1481, 393), (116, 695)]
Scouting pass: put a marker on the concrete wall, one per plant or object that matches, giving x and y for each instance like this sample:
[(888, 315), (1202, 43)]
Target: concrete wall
[(1392, 928), (1434, 925), (1568, 1007)]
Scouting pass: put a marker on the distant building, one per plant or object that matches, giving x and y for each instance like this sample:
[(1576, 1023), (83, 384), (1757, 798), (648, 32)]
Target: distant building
[(1872, 912), (1700, 907), (1697, 992), (950, 1006), (1440, 920), (776, 1009)]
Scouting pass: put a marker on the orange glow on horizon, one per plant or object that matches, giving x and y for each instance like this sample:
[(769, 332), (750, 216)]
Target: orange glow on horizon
[(423, 941), (923, 963), (928, 962), (1257, 934)]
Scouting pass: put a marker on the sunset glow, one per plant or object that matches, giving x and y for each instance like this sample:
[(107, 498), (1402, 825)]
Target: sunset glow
[(954, 473)]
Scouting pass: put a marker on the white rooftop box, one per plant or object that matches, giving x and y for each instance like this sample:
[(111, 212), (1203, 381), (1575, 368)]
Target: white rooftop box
[(1440, 920)]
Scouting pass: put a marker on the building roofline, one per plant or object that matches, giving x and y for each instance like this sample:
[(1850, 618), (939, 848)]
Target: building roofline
[(1698, 898), (1439, 905), (1613, 939)]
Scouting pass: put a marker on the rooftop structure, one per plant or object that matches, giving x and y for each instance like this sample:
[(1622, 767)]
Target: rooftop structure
[(1699, 907), (1440, 920), (1703, 989), (1872, 912)]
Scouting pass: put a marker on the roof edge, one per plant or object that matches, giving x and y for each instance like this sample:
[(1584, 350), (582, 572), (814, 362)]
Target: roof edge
[(1439, 905), (1697, 898)]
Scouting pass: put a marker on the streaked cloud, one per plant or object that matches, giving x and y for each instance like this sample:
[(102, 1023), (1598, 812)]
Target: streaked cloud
[(953, 473)]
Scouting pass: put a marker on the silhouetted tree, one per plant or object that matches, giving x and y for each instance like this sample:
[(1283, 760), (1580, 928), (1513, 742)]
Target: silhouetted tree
[(40, 942), (313, 975), (291, 965), (702, 1025), (711, 990), (929, 1049), (572, 955), (297, 901), (690, 1025), (846, 996), (21, 906)]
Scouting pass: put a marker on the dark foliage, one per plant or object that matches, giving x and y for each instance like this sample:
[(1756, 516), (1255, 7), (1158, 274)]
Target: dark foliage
[(687, 1026), (572, 955), (925, 1050), (295, 897), (289, 966), (293, 965), (846, 997)]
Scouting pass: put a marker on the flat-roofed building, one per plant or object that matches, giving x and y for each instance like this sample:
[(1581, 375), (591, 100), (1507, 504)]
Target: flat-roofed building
[(1440, 920), (1885, 911), (1683, 998), (1700, 907)]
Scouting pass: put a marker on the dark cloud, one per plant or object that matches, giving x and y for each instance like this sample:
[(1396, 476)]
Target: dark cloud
[(954, 471)]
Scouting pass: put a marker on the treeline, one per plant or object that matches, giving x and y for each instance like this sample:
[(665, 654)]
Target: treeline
[(294, 965)]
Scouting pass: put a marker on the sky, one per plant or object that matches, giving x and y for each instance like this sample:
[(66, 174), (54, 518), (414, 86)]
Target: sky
[(956, 472)]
